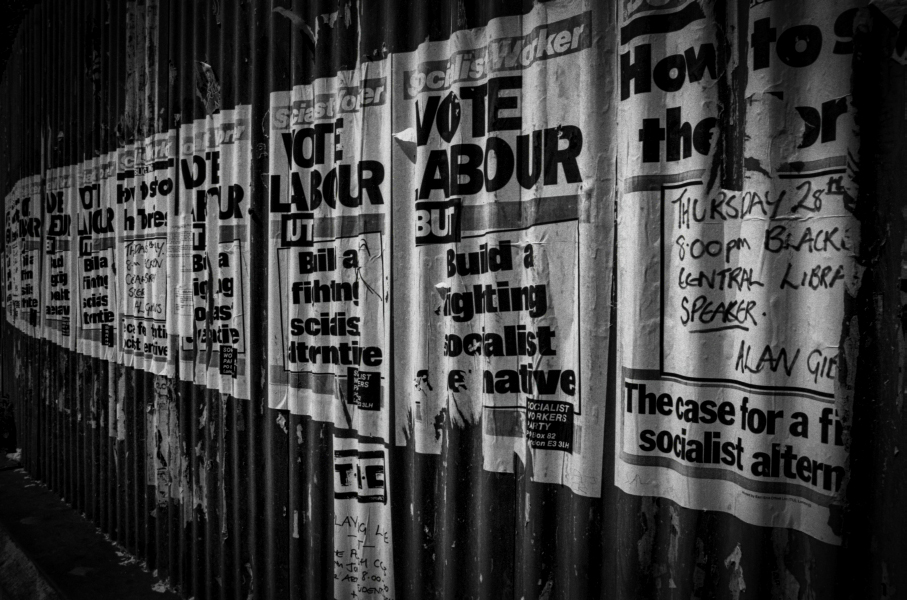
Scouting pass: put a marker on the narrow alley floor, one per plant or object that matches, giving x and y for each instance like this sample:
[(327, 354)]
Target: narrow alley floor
[(48, 551)]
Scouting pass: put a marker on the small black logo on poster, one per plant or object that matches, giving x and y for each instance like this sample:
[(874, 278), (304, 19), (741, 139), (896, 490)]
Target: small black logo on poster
[(33, 317), (550, 425), (107, 335), (363, 389), (198, 236), (64, 327), (359, 475), (438, 222), (228, 361), (297, 230)]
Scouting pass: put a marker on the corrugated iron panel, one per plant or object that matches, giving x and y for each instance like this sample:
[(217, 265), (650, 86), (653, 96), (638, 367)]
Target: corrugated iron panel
[(171, 171)]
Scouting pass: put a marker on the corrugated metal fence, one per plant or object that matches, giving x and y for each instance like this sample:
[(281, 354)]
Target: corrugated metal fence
[(344, 299)]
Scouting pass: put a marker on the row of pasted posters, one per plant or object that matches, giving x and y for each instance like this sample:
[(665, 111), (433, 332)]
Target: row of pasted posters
[(140, 256), (443, 224)]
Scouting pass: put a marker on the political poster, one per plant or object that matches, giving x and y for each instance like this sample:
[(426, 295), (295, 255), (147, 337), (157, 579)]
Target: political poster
[(737, 259)]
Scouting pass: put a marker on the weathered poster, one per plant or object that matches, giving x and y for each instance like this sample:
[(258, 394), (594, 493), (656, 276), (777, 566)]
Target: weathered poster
[(146, 186), (12, 259), (329, 192), (24, 231), (208, 251), (185, 250), (227, 293), (58, 296), (329, 322), (737, 257), (95, 227), (494, 162), (3, 282), (363, 544)]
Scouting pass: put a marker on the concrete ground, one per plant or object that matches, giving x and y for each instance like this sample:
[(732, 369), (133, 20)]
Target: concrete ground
[(50, 552)]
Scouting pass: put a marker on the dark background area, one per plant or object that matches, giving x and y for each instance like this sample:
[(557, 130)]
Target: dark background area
[(12, 12)]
